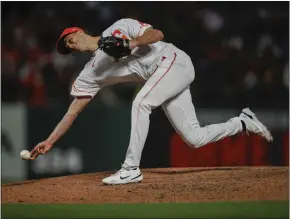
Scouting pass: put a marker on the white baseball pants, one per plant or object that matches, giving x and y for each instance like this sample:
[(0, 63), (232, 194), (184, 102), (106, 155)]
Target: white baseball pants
[(169, 87)]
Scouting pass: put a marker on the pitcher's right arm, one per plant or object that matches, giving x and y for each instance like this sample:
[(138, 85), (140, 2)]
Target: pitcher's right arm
[(76, 107)]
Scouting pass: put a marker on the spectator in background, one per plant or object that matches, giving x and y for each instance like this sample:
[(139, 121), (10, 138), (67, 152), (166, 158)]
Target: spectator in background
[(33, 83), (11, 87)]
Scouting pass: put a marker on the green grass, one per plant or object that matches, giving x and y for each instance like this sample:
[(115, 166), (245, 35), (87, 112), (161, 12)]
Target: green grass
[(259, 209)]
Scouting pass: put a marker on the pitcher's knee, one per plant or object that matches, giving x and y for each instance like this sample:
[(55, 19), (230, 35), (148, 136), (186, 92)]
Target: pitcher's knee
[(196, 143), (196, 139), (141, 105)]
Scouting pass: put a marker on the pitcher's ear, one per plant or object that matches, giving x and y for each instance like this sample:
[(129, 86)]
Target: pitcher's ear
[(69, 44)]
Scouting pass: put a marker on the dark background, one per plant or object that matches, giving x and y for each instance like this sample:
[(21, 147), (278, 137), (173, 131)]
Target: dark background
[(240, 51)]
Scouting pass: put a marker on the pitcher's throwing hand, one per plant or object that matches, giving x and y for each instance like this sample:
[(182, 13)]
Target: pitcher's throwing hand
[(41, 148)]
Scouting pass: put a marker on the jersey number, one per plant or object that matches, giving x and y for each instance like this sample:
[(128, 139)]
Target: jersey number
[(118, 33)]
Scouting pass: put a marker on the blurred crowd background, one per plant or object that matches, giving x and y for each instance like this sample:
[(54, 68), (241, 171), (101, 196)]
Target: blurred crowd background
[(240, 50)]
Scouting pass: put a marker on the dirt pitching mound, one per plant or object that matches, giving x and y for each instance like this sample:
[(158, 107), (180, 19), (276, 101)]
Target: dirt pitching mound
[(159, 185)]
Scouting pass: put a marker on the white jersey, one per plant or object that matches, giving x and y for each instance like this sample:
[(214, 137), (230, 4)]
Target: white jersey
[(101, 71)]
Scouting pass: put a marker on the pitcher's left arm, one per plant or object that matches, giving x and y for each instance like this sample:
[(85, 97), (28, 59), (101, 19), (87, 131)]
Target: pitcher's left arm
[(138, 33), (150, 36)]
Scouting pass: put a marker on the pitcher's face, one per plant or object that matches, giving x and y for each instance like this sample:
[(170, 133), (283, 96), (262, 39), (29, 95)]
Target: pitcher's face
[(77, 41)]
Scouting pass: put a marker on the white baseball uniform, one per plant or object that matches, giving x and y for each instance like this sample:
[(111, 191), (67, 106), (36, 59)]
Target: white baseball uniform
[(167, 72)]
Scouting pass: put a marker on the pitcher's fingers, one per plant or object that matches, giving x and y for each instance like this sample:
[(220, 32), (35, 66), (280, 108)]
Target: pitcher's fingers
[(40, 149), (34, 156), (33, 152)]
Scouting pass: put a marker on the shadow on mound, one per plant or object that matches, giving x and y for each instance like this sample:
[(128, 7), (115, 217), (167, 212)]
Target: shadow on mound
[(181, 171), (159, 185), (21, 183)]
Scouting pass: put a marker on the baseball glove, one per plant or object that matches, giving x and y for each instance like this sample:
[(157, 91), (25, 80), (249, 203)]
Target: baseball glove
[(114, 47)]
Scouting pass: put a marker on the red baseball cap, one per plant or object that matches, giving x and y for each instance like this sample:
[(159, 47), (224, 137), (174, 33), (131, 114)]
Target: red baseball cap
[(60, 46)]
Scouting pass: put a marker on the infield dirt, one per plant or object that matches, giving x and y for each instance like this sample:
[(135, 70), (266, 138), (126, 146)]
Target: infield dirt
[(158, 186)]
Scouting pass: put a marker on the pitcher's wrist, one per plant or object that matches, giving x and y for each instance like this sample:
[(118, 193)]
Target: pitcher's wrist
[(133, 44)]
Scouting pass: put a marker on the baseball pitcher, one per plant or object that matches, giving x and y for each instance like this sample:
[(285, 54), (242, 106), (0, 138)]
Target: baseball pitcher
[(132, 51)]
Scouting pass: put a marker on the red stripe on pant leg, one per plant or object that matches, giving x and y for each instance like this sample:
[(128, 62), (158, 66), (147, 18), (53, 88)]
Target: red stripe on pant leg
[(163, 58), (154, 86)]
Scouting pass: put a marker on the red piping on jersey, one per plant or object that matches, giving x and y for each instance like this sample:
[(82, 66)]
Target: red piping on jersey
[(155, 84), (78, 90), (142, 25), (140, 30)]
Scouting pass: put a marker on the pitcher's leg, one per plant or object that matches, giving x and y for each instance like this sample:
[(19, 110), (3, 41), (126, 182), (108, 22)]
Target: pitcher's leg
[(139, 130), (166, 82), (181, 113), (212, 133)]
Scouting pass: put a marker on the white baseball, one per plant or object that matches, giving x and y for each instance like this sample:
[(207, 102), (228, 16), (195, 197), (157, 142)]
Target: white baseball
[(25, 154)]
